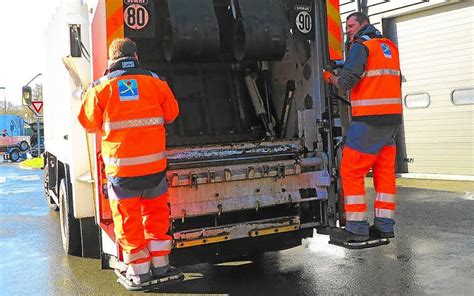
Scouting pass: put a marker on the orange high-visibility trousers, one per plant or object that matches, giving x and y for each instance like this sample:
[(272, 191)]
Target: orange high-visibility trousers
[(365, 149), (354, 167), (385, 183), (141, 222)]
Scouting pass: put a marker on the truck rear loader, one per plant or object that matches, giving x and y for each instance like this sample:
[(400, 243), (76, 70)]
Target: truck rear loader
[(252, 156)]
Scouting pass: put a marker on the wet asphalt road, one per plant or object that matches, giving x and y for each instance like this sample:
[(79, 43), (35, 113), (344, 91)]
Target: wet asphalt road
[(432, 254)]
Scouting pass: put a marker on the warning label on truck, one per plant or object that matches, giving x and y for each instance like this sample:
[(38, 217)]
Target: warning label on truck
[(303, 15), (135, 17), (139, 18)]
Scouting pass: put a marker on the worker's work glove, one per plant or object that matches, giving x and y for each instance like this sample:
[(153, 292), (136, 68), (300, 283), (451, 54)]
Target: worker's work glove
[(327, 75)]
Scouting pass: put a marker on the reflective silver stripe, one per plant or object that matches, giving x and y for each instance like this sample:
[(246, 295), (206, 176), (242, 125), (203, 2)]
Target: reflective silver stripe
[(126, 161), (127, 258), (140, 268), (159, 245), (356, 216), (160, 261), (387, 197), (354, 199), (103, 79), (380, 72), (115, 125), (375, 102), (384, 213)]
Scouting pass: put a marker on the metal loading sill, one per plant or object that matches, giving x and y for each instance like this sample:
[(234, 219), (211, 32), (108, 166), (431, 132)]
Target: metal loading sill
[(219, 155), (215, 198), (191, 238)]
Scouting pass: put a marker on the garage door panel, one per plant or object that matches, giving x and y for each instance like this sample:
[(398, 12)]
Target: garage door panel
[(438, 150), (435, 19), (420, 68), (436, 57), (422, 114), (421, 128), (415, 66), (442, 133), (449, 170), (430, 61), (443, 163), (436, 34), (434, 43), (442, 160), (435, 140), (427, 41), (463, 81)]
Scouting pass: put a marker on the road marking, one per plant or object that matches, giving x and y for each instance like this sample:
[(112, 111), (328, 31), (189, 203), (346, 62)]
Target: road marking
[(25, 178)]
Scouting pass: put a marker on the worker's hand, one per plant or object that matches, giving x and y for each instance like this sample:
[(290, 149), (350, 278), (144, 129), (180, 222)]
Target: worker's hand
[(327, 75)]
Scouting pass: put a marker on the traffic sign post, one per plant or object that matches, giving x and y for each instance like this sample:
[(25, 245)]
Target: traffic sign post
[(36, 107)]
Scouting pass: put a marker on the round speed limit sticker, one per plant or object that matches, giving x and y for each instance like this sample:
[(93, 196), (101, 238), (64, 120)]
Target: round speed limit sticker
[(304, 22), (135, 16)]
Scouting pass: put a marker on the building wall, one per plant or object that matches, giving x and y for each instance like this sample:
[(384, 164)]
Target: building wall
[(437, 58)]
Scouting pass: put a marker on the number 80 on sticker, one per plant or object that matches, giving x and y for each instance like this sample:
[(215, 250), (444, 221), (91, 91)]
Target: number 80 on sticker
[(135, 16)]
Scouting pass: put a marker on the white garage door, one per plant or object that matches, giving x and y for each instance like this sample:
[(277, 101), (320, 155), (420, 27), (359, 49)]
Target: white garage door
[(437, 62)]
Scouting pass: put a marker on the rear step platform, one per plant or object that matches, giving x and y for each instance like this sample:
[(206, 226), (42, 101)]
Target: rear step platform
[(172, 276), (372, 242)]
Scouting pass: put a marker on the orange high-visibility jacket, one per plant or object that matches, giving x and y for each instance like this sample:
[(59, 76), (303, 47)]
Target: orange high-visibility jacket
[(378, 91), (129, 107)]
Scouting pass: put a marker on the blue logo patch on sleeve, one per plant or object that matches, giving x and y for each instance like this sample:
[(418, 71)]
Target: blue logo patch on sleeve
[(386, 50), (128, 90)]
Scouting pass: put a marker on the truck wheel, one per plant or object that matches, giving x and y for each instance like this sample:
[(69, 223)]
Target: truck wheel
[(14, 155), (34, 153), (70, 229), (23, 145), (49, 200)]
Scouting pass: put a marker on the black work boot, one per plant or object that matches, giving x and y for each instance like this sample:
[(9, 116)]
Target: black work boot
[(158, 272), (139, 279), (170, 273), (374, 232), (344, 236)]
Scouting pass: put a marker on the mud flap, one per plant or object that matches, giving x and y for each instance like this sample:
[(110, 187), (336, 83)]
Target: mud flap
[(372, 242), (172, 276)]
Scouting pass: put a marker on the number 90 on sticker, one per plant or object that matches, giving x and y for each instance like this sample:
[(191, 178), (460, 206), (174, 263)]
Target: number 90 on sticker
[(304, 22)]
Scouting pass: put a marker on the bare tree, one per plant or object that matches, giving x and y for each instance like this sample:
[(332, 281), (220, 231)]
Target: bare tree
[(37, 92)]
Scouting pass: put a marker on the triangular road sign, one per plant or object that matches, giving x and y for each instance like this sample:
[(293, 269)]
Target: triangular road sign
[(37, 106)]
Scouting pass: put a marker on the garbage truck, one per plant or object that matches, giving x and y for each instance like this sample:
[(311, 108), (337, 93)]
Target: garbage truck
[(252, 157)]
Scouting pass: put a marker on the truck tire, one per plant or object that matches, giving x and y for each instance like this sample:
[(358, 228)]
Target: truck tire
[(70, 227), (23, 145), (14, 155), (49, 200)]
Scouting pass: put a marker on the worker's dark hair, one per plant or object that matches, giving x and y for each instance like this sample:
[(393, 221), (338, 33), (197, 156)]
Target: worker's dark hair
[(359, 16), (122, 47)]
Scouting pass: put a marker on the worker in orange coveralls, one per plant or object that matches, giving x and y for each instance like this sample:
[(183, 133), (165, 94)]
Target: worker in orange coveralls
[(372, 74), (129, 107)]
